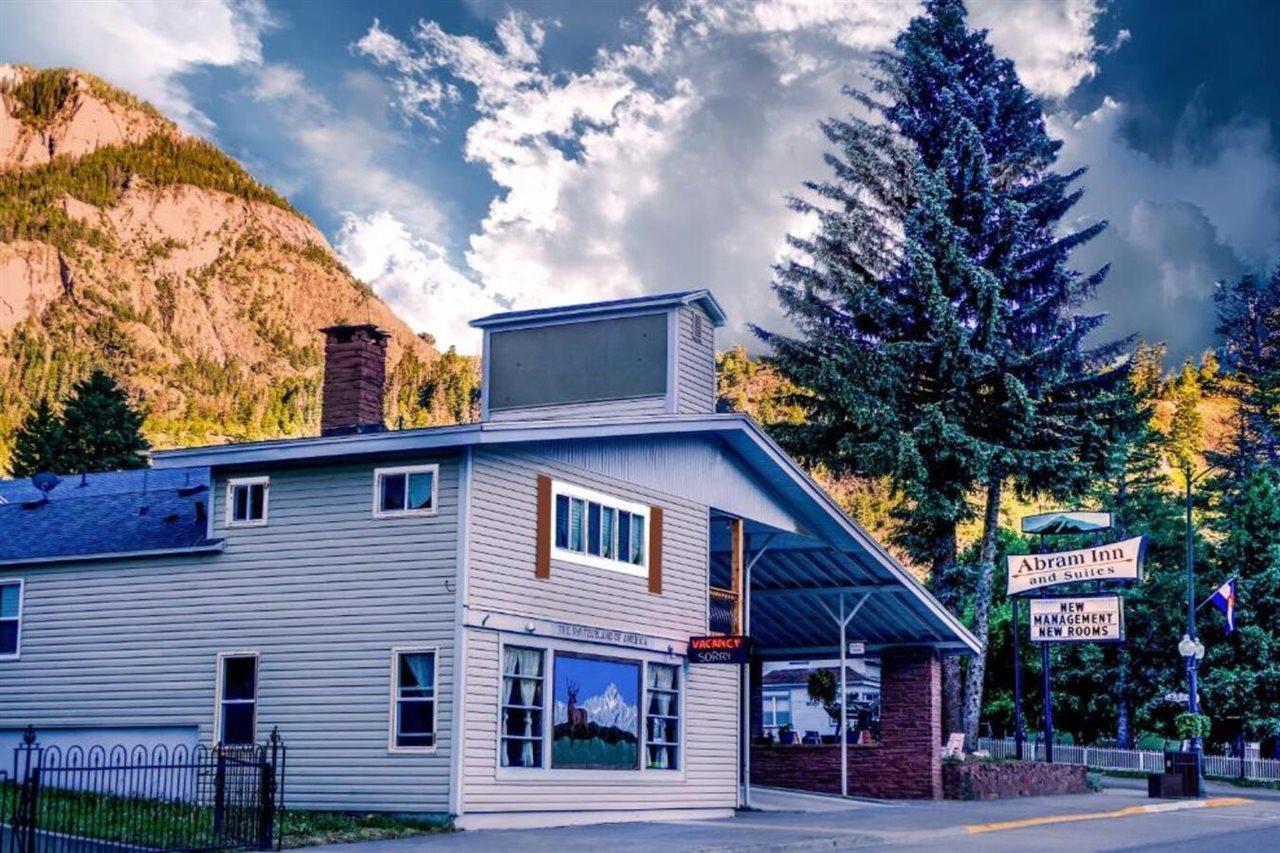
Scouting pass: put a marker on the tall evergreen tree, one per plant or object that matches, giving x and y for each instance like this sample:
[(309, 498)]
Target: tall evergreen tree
[(101, 429), (961, 365), (1249, 322), (38, 443)]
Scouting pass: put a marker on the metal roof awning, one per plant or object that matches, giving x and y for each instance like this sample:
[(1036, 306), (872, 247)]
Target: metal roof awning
[(801, 589)]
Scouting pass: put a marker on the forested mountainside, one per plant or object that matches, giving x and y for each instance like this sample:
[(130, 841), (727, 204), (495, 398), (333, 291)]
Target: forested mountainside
[(127, 245)]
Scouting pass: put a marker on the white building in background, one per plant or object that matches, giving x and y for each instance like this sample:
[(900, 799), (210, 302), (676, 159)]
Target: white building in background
[(785, 695)]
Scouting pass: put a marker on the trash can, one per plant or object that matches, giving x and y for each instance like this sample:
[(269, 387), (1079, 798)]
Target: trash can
[(1184, 764)]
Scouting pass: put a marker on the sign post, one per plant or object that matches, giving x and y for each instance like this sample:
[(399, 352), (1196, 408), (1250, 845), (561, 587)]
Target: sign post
[(1066, 620)]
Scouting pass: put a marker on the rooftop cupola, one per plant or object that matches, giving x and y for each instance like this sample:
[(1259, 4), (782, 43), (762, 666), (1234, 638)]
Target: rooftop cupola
[(648, 355)]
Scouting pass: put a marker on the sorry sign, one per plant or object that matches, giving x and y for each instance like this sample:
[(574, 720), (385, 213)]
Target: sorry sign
[(1118, 561), (1092, 619)]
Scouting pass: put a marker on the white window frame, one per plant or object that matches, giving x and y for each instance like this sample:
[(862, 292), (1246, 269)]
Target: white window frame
[(769, 701), (626, 567), (394, 713), (547, 709), (22, 589), (378, 473), (232, 483), (679, 717), (217, 694), (550, 648)]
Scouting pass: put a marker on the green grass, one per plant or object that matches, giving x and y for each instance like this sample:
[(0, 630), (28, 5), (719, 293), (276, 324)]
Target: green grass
[(167, 825), (1235, 781)]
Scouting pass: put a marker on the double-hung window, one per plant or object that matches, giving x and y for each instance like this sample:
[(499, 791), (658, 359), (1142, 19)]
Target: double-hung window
[(601, 531), (237, 711), (406, 491), (413, 701), (522, 701), (247, 501), (10, 618), (662, 718), (777, 709)]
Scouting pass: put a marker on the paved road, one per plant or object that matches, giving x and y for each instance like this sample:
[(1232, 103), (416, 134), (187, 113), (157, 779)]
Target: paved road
[(1110, 821)]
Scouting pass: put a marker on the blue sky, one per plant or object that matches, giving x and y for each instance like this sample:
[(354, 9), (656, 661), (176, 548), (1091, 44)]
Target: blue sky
[(469, 156)]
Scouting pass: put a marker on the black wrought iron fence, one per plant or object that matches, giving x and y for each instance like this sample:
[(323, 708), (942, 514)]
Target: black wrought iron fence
[(84, 800)]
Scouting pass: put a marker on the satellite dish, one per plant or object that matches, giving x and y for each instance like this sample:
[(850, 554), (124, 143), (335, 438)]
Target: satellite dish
[(46, 482)]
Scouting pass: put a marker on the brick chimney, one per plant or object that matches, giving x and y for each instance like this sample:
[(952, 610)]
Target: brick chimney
[(355, 368)]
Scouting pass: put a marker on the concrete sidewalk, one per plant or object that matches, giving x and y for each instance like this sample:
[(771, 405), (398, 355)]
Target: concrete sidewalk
[(1116, 819)]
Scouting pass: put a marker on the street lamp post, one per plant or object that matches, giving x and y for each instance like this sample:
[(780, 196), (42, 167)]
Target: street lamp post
[(1191, 649)]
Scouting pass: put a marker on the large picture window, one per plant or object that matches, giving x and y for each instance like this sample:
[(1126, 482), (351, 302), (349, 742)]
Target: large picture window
[(597, 530), (662, 718), (596, 718), (413, 707), (237, 711), (522, 706), (10, 617)]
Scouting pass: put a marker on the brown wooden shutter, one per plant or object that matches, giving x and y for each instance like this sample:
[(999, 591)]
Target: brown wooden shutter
[(655, 549), (546, 521)]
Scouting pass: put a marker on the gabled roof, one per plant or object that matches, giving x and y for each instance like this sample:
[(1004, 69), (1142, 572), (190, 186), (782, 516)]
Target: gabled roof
[(793, 587), (612, 308), (115, 514)]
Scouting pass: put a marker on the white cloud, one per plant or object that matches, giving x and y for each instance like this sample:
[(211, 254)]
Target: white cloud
[(144, 46), (1050, 41), (1178, 223), (665, 164), (413, 275)]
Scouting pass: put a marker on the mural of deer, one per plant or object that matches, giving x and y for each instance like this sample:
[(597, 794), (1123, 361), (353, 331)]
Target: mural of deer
[(577, 716)]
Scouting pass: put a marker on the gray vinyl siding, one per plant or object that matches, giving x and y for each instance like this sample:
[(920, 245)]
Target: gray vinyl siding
[(322, 593), (635, 406), (500, 578), (696, 364)]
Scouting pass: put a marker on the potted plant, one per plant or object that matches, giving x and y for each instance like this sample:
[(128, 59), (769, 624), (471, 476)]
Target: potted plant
[(786, 734), (1192, 725)]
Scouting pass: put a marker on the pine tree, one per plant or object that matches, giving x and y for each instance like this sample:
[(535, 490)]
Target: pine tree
[(1249, 322), (954, 359), (101, 430), (38, 444), (1186, 431)]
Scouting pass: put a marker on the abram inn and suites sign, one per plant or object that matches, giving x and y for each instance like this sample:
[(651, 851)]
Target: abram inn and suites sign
[(1086, 619), (1119, 561)]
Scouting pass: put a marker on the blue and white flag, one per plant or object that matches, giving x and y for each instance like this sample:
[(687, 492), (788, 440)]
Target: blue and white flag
[(1224, 598)]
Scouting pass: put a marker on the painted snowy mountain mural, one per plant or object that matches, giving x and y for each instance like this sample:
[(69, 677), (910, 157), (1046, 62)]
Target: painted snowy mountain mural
[(596, 713)]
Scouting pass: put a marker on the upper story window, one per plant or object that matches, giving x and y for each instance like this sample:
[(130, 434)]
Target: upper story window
[(405, 491), (247, 501), (10, 617), (601, 531), (413, 700), (237, 711)]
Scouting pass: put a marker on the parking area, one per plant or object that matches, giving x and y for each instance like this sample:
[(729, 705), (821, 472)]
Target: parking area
[(1118, 818)]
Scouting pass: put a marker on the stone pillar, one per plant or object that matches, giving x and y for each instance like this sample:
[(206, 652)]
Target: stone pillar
[(911, 720)]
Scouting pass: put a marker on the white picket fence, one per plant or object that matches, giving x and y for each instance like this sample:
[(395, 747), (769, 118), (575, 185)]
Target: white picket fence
[(1144, 760)]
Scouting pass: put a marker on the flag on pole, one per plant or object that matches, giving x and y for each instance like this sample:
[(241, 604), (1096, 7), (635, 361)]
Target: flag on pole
[(1224, 598)]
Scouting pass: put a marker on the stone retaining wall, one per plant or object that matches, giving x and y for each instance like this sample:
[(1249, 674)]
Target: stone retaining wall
[(991, 780)]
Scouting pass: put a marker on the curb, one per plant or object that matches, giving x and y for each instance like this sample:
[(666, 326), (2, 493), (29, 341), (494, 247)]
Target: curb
[(1128, 811)]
